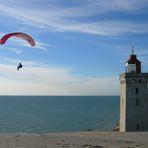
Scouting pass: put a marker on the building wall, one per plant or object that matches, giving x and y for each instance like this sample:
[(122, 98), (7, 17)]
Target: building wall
[(134, 102), (122, 104)]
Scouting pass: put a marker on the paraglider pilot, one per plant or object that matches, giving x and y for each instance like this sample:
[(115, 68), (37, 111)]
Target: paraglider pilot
[(19, 66)]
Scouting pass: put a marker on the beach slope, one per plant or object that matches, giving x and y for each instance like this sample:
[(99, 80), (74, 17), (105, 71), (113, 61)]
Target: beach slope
[(94, 139)]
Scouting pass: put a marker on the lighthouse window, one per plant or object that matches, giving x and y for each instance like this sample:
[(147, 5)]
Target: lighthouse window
[(137, 90), (131, 68)]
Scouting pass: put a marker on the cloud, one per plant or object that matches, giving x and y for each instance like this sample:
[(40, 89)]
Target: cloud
[(16, 50), (80, 7), (107, 28), (121, 5), (38, 80), (71, 19), (42, 46)]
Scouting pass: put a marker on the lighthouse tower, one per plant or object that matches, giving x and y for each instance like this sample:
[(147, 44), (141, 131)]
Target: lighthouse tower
[(133, 97)]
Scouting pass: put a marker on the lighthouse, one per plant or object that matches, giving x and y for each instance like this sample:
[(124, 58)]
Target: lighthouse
[(133, 97)]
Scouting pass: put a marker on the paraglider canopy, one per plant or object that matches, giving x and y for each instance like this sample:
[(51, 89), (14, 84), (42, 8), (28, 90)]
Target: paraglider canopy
[(19, 35)]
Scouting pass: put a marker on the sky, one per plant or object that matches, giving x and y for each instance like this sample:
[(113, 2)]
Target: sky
[(81, 45)]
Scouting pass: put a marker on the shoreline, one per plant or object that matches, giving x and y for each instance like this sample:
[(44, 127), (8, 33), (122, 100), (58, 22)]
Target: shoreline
[(83, 139)]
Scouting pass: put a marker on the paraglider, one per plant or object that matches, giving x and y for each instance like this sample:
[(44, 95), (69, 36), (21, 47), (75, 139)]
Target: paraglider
[(19, 66), (21, 35)]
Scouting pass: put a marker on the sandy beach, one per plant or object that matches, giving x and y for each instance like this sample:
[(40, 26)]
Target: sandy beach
[(94, 139)]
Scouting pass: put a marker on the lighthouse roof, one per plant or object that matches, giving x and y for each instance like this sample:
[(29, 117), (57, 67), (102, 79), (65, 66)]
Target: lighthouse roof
[(133, 59)]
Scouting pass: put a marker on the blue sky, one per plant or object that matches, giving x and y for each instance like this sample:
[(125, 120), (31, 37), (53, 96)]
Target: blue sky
[(81, 45)]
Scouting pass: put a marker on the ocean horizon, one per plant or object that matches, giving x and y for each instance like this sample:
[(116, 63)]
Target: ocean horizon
[(42, 114)]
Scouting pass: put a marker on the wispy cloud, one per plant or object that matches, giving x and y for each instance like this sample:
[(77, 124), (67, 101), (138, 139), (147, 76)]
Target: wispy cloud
[(107, 28), (42, 46), (16, 50), (70, 19), (121, 5), (26, 63)]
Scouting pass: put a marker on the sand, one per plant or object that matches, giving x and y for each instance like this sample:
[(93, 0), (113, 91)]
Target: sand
[(94, 139)]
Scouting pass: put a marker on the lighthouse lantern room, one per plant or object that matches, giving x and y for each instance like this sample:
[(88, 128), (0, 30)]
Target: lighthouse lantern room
[(133, 65)]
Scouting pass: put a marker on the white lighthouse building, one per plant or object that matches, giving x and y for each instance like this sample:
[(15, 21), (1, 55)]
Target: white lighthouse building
[(133, 97)]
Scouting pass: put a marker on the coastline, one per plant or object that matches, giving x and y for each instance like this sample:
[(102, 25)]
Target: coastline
[(85, 139)]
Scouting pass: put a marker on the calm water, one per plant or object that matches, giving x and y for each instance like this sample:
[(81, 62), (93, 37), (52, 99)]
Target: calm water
[(55, 114)]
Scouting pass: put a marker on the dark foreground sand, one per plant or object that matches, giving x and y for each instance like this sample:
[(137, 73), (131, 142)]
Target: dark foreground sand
[(75, 140)]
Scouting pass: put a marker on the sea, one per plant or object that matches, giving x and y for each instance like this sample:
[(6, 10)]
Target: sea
[(43, 114)]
